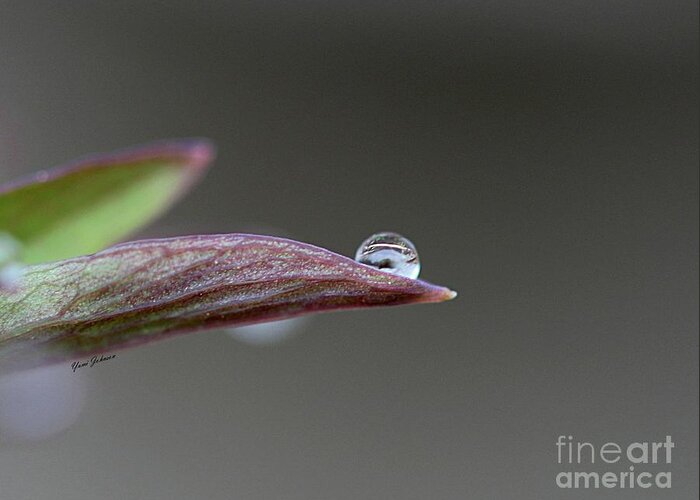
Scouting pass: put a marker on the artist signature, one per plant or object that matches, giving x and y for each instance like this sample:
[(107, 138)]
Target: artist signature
[(75, 365)]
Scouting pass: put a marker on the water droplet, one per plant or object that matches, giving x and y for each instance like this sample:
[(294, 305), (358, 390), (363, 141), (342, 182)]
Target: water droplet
[(391, 253), (269, 333), (38, 403), (10, 270), (10, 276), (9, 248)]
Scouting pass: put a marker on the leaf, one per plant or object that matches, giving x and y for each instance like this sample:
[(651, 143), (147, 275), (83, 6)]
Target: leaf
[(92, 203), (142, 291)]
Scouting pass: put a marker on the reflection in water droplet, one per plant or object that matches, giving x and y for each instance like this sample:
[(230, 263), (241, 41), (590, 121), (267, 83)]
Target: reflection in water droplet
[(391, 253)]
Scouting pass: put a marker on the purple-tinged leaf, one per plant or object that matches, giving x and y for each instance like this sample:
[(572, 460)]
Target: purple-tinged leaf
[(142, 291)]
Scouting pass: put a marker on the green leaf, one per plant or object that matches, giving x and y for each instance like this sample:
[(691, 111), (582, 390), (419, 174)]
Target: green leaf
[(85, 206), (147, 290)]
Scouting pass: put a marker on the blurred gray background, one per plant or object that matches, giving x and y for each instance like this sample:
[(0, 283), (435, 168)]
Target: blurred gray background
[(542, 156)]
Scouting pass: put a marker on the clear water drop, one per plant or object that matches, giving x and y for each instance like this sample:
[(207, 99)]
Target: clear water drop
[(391, 253), (269, 333), (41, 402), (10, 270)]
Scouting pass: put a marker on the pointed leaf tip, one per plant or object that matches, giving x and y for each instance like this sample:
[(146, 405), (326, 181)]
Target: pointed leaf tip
[(146, 290)]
